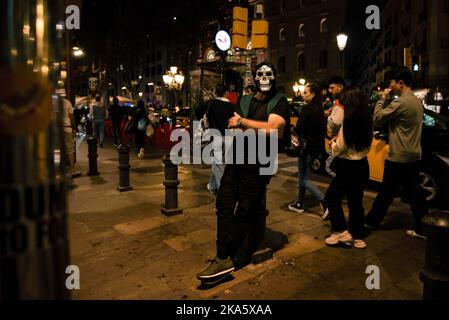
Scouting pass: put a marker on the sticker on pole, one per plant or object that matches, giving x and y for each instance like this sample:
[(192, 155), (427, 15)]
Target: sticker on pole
[(25, 101)]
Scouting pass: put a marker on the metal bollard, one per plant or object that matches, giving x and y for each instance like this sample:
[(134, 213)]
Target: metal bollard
[(171, 182), (123, 166), (93, 155), (435, 274)]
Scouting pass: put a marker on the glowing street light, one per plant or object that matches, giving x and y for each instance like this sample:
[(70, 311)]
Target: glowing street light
[(77, 52), (299, 87), (342, 40), (173, 79)]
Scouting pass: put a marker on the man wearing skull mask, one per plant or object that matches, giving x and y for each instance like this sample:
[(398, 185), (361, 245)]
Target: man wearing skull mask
[(241, 198)]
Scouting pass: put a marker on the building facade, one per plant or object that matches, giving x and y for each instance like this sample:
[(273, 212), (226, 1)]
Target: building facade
[(303, 39), (420, 26)]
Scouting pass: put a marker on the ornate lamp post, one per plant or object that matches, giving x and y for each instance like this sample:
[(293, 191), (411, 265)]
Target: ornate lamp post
[(173, 80), (299, 87)]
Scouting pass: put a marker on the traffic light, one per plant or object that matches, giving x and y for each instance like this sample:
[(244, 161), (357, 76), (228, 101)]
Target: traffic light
[(417, 63), (259, 34), (240, 28)]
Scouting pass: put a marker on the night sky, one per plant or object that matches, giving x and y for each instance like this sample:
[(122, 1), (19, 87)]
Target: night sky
[(127, 20)]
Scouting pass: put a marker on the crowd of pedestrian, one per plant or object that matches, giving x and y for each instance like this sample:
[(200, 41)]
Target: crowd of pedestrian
[(345, 119)]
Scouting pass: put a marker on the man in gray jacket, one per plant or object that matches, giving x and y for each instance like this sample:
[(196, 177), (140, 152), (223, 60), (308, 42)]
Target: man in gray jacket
[(404, 117)]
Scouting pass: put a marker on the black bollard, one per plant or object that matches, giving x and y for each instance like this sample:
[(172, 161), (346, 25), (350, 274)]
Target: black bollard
[(123, 166), (93, 155), (171, 182), (435, 274)]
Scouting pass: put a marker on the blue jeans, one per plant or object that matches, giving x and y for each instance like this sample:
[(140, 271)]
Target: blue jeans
[(328, 163), (305, 183), (215, 178), (98, 131)]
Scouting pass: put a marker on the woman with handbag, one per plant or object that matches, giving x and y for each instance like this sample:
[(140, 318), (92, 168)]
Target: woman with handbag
[(350, 149), (310, 129)]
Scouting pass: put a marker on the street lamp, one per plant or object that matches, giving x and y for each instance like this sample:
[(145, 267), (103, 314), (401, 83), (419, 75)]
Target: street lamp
[(173, 79), (77, 52), (299, 87), (342, 40)]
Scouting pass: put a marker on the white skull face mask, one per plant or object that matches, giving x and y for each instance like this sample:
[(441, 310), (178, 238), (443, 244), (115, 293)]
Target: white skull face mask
[(265, 78)]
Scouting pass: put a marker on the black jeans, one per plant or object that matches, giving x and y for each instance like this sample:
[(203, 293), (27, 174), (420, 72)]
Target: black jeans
[(116, 131), (240, 202), (139, 138), (396, 175), (350, 181)]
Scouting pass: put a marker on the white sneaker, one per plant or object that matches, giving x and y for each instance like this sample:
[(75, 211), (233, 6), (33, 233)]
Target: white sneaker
[(413, 234), (141, 153), (340, 237), (325, 209), (359, 244)]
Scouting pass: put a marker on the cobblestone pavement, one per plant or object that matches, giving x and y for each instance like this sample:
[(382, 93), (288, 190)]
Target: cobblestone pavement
[(126, 249)]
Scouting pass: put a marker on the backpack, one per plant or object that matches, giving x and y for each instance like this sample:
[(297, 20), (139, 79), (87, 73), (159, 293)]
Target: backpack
[(142, 125)]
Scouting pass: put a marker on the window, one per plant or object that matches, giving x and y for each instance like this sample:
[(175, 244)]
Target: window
[(153, 71), (323, 25), (323, 59), (301, 30), (159, 55), (159, 70), (147, 72), (281, 64), (282, 34), (301, 61), (302, 3)]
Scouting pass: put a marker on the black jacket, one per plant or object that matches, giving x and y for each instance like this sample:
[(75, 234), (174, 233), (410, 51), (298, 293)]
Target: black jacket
[(311, 126)]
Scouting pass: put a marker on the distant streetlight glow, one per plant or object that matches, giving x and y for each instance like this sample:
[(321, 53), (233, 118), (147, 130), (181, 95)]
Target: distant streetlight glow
[(78, 53), (342, 40), (299, 87), (173, 79)]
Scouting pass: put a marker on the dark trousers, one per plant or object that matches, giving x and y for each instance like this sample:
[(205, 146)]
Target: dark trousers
[(240, 202), (139, 138), (116, 131), (397, 175), (350, 181)]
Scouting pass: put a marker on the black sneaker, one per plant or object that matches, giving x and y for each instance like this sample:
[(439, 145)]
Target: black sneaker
[(217, 268), (296, 206)]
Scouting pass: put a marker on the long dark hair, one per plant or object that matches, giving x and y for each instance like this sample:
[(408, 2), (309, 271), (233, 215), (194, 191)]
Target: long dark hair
[(358, 122), (314, 88)]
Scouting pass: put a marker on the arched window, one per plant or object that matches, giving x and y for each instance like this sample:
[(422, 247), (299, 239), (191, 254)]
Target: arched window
[(323, 25), (281, 64), (301, 30), (301, 61), (323, 59), (282, 34)]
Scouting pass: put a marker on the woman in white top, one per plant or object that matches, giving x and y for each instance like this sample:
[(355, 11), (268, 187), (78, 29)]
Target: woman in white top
[(350, 149)]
